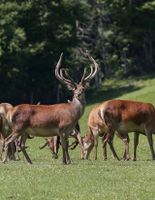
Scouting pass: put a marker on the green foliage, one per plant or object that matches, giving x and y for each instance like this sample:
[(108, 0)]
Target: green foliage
[(119, 34), (124, 30), (33, 34)]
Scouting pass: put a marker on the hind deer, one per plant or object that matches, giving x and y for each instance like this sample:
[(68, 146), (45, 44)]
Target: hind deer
[(52, 120), (5, 131), (96, 128), (54, 143), (126, 116)]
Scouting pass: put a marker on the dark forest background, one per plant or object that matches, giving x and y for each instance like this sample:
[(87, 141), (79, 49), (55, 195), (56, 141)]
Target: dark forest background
[(119, 34)]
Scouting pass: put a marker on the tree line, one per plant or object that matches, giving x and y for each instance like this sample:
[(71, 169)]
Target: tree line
[(119, 34)]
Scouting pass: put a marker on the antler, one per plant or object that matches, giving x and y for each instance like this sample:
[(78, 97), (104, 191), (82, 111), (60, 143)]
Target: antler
[(92, 72), (68, 80), (59, 74)]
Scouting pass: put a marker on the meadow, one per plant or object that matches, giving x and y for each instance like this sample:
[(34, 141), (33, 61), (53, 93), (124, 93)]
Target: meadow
[(48, 179)]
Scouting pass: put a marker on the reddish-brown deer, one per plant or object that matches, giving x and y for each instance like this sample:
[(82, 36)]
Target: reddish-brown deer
[(5, 131), (96, 128), (51, 120), (126, 116)]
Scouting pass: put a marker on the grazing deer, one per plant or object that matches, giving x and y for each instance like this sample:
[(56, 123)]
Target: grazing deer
[(126, 116), (4, 128), (96, 128), (53, 143), (5, 131), (51, 120)]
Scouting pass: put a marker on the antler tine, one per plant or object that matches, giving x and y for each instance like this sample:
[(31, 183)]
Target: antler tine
[(59, 74), (57, 69), (84, 74), (92, 74), (83, 52), (69, 81), (70, 78)]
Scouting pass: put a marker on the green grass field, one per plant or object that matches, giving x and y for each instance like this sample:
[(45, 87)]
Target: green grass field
[(48, 179)]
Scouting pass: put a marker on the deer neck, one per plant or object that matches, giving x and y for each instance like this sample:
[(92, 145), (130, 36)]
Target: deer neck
[(79, 105)]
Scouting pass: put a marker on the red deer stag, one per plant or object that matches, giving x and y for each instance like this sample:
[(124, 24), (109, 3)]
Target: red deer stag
[(96, 128), (126, 116), (51, 120)]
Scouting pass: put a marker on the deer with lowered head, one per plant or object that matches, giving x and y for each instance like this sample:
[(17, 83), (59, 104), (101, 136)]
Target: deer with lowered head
[(54, 143), (5, 131), (126, 116), (97, 128), (52, 120)]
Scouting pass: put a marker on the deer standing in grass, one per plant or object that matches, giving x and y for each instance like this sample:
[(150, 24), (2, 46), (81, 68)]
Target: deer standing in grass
[(126, 116), (51, 120), (96, 128), (5, 131), (54, 143)]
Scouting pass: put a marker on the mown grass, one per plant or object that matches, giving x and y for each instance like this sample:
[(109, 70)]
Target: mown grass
[(48, 179)]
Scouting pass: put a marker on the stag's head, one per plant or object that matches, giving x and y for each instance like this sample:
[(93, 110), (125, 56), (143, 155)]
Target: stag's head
[(77, 88)]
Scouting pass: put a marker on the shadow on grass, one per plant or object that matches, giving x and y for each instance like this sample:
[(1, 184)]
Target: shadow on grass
[(109, 93), (145, 77)]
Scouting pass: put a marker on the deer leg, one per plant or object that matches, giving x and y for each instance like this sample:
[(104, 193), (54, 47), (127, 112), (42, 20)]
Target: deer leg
[(126, 142), (67, 154), (2, 139), (150, 141), (26, 155), (22, 146), (89, 144), (8, 140), (64, 144), (95, 146), (104, 149), (87, 152), (109, 139), (56, 146), (13, 150), (125, 138), (136, 141), (74, 145), (5, 154), (53, 144), (78, 135), (16, 152), (44, 145)]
